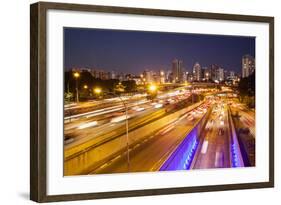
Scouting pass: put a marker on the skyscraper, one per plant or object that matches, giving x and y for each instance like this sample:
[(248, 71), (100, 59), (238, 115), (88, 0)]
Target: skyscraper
[(162, 76), (177, 68), (113, 74), (148, 76), (248, 65), (220, 75), (206, 73), (197, 72)]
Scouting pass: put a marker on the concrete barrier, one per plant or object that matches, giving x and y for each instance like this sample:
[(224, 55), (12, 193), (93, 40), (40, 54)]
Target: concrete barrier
[(235, 152)]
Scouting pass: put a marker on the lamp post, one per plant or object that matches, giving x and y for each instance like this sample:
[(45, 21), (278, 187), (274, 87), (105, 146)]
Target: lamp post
[(98, 91), (192, 88), (152, 89), (76, 76)]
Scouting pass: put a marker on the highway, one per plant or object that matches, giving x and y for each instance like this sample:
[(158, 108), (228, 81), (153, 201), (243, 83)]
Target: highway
[(110, 121), (149, 154), (247, 116), (214, 152), (156, 130)]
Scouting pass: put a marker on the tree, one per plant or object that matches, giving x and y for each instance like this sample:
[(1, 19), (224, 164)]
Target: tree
[(130, 85), (243, 89), (68, 96), (119, 88), (247, 89)]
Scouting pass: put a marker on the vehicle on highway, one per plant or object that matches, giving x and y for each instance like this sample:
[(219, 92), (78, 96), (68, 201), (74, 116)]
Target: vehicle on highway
[(221, 131), (68, 140)]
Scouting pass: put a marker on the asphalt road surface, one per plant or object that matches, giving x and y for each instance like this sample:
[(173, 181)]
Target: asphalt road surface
[(150, 153), (214, 150)]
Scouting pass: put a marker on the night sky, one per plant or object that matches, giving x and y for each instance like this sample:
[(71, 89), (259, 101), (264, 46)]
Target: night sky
[(135, 51)]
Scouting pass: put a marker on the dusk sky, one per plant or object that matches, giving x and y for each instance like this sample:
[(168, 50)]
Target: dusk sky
[(135, 51)]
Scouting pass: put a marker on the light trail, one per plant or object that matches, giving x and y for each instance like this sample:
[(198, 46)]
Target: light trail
[(86, 125)]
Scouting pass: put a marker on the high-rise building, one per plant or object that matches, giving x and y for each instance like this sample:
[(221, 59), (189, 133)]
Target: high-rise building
[(206, 74), (169, 76), (162, 76), (190, 77), (197, 72), (217, 73), (113, 74), (185, 75), (213, 72), (220, 74), (177, 69), (148, 76), (231, 75), (248, 65)]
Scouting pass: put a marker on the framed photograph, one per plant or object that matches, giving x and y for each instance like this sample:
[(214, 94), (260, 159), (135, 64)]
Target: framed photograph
[(133, 102)]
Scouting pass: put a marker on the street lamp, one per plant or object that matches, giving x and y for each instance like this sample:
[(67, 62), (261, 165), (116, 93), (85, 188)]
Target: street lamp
[(152, 88), (98, 91), (85, 86), (76, 76)]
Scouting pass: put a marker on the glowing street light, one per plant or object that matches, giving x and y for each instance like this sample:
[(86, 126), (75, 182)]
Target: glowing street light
[(152, 88), (97, 91), (85, 86), (76, 76)]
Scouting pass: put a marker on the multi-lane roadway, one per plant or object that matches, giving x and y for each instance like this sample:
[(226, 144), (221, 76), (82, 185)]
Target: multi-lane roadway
[(149, 154), (156, 129), (214, 150)]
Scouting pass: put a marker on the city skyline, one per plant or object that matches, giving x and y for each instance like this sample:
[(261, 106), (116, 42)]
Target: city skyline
[(113, 50)]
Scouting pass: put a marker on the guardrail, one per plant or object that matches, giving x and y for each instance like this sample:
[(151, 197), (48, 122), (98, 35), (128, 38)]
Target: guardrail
[(235, 152)]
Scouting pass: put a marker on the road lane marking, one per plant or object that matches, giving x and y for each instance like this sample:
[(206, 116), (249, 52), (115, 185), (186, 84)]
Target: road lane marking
[(204, 147), (104, 165), (168, 129), (116, 158)]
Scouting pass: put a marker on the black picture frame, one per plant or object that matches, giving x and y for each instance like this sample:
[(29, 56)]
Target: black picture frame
[(38, 102)]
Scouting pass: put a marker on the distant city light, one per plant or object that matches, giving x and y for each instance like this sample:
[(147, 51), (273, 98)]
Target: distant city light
[(97, 90)]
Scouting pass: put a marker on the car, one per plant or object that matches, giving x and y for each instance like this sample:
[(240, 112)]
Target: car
[(68, 140), (221, 131)]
